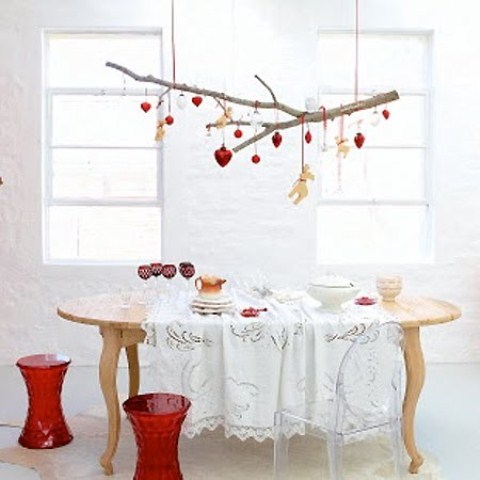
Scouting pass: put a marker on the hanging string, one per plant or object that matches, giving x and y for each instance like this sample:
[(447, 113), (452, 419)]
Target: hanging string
[(174, 73), (356, 47), (324, 122), (233, 46), (302, 121), (339, 154)]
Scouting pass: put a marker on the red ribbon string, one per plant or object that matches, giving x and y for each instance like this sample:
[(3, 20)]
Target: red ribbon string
[(356, 47), (302, 121), (173, 43), (324, 120)]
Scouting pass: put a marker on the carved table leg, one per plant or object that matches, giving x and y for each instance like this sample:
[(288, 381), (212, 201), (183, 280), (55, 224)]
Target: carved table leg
[(415, 366), (133, 370), (112, 343)]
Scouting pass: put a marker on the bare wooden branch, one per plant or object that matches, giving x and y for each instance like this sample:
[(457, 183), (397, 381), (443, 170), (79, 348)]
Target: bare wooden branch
[(267, 87), (203, 91), (268, 127), (316, 117)]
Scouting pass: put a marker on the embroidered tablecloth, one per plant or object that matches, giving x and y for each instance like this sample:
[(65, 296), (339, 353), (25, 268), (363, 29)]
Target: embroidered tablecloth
[(238, 371)]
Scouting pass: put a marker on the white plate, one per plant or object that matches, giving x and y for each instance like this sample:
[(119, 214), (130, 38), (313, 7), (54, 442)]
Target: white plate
[(218, 300), (215, 297), (286, 296), (202, 303), (218, 308), (210, 311)]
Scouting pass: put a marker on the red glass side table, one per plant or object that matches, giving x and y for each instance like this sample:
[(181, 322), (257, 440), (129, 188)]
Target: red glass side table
[(45, 425), (157, 419)]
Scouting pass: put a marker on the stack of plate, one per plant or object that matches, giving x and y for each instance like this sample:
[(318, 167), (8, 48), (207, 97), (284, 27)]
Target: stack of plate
[(217, 304)]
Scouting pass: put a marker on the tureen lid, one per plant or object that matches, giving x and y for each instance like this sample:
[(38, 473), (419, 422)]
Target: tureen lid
[(333, 281)]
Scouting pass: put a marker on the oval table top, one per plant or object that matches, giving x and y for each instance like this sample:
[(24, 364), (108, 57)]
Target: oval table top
[(106, 311)]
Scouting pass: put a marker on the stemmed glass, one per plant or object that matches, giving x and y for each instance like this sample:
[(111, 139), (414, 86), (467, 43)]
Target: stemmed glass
[(187, 271), (156, 272), (169, 271), (144, 272)]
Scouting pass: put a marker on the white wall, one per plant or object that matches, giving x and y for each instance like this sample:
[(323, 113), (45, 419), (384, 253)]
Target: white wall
[(227, 219)]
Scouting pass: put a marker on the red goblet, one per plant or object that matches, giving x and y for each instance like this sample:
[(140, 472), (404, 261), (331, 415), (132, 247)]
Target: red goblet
[(156, 272), (187, 271), (169, 271), (144, 272)]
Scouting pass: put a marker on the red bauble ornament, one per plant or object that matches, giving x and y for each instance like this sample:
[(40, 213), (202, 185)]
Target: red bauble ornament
[(238, 133), (223, 156), (145, 106), (359, 139), (169, 120), (256, 158), (197, 101), (386, 114), (308, 136), (277, 139)]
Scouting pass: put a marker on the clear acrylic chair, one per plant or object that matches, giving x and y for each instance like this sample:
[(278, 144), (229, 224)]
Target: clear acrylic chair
[(367, 400)]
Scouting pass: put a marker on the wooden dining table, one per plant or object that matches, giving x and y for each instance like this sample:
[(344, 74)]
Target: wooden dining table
[(122, 328)]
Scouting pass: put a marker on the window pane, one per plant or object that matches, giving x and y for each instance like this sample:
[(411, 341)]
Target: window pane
[(95, 173), (359, 234), (389, 174), (104, 233), (78, 60), (102, 121), (385, 60), (405, 126)]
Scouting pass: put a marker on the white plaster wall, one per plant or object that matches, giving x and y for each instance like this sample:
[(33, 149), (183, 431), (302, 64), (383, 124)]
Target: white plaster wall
[(229, 219)]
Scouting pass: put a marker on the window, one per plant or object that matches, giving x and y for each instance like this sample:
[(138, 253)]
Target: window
[(102, 187), (374, 205)]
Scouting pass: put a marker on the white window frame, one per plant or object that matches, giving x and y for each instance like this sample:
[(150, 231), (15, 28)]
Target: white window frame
[(427, 94), (48, 94)]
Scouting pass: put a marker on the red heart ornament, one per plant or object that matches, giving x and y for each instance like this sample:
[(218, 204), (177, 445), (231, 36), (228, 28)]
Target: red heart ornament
[(277, 139), (145, 106), (169, 120), (238, 133), (223, 156), (308, 136), (359, 139), (256, 158), (386, 114), (197, 101)]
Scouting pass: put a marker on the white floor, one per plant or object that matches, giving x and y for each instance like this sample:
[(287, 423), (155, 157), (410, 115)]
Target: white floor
[(448, 415)]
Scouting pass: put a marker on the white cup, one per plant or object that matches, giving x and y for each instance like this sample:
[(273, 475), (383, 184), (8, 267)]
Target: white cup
[(389, 287)]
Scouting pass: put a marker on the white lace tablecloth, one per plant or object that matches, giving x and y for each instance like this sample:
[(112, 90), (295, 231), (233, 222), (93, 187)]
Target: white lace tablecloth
[(238, 371)]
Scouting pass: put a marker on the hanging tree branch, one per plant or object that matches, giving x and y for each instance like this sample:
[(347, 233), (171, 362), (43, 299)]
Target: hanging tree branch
[(268, 127), (267, 87)]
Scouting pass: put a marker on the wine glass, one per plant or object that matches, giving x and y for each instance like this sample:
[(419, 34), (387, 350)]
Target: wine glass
[(125, 295), (156, 272), (144, 272), (169, 270), (187, 271)]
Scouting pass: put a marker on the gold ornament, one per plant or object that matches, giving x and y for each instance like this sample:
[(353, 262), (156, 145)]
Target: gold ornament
[(342, 146), (160, 133), (221, 122), (300, 188)]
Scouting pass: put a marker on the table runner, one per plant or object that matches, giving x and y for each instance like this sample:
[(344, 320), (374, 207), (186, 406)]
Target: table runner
[(238, 371)]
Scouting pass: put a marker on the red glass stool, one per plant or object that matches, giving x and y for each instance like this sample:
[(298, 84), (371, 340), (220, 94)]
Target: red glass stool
[(156, 419), (45, 426)]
